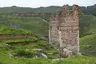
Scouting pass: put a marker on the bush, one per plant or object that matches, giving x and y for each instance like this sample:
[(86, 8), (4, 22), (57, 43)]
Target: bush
[(23, 53)]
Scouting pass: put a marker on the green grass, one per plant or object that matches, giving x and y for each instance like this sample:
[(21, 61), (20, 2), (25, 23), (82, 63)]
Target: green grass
[(35, 25), (34, 43), (24, 57), (88, 45), (79, 60), (74, 60), (7, 30), (88, 35)]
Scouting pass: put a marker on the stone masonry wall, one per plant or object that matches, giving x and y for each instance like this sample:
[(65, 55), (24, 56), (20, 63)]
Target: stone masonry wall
[(64, 29)]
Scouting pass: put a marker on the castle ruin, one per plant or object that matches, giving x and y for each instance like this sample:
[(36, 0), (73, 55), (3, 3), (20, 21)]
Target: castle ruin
[(64, 29)]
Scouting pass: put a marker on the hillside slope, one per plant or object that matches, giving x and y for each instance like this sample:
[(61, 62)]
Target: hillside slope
[(88, 35), (35, 25)]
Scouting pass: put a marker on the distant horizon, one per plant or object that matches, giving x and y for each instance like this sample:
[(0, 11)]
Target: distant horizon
[(44, 6), (44, 3)]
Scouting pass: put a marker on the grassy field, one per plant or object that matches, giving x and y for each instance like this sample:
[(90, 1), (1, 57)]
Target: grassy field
[(74, 60), (35, 25), (88, 35), (25, 54)]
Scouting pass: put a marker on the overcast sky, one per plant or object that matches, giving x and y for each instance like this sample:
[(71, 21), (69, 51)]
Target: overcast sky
[(44, 3)]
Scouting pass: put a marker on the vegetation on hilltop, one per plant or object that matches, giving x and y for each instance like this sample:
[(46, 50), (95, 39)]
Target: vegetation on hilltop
[(13, 24), (27, 53)]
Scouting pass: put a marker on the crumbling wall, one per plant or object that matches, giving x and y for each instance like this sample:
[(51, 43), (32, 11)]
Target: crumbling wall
[(53, 32), (64, 29)]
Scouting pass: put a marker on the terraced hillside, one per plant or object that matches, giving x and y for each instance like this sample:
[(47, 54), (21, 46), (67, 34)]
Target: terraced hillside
[(35, 25), (29, 50)]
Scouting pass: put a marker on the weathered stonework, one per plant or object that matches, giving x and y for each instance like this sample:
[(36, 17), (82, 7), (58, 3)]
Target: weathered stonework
[(64, 29)]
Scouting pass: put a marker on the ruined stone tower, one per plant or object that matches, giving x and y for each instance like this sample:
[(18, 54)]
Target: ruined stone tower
[(64, 29)]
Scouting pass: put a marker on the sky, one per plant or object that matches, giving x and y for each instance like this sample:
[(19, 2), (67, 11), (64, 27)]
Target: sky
[(44, 3)]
